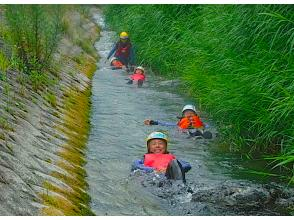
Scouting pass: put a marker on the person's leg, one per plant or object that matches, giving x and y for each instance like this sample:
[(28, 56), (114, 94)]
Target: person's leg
[(207, 135), (140, 83), (175, 171), (194, 132)]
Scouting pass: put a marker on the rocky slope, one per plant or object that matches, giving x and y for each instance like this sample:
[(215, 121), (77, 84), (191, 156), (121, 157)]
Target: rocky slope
[(43, 129)]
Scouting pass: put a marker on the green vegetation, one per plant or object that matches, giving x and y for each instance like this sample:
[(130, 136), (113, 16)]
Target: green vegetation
[(51, 99), (34, 30), (236, 60), (29, 37), (4, 63)]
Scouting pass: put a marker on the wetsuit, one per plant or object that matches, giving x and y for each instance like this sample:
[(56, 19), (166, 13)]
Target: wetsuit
[(123, 52)]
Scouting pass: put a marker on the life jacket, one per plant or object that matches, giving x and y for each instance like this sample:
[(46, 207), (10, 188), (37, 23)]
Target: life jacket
[(137, 76), (195, 122), (158, 161), (117, 64), (123, 49)]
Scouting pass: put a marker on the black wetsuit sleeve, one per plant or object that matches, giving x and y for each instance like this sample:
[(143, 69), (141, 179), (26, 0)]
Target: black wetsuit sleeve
[(152, 122)]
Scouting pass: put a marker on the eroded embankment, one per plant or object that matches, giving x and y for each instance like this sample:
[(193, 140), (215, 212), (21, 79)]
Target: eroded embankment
[(43, 130)]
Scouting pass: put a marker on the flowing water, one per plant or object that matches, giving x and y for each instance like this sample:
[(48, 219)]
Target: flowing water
[(117, 138)]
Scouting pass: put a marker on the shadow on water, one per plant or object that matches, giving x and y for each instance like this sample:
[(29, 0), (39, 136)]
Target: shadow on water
[(117, 138)]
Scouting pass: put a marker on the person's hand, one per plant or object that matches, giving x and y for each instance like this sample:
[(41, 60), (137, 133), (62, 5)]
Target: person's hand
[(147, 122), (160, 170)]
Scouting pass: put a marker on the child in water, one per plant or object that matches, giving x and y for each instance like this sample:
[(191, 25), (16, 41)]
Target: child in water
[(116, 64), (159, 160), (138, 75), (190, 122)]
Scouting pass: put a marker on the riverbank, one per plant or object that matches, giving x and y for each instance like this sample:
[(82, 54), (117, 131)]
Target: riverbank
[(44, 129)]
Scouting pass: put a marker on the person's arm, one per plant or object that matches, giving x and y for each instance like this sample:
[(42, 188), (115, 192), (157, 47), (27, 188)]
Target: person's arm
[(153, 122), (139, 165), (112, 51), (206, 125), (168, 124), (185, 165)]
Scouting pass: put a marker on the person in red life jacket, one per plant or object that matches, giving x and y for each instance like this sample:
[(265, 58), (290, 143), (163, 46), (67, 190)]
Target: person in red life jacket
[(189, 123), (138, 76), (123, 50), (159, 160), (116, 64)]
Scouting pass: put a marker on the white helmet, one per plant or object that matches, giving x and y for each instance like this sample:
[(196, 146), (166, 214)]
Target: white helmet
[(157, 135), (112, 59), (189, 107), (140, 68)]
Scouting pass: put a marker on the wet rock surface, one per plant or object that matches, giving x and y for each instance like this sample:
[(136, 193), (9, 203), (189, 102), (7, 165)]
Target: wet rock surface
[(223, 198)]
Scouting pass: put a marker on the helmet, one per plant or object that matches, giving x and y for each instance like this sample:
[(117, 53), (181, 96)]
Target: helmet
[(189, 107), (124, 35), (140, 68), (156, 135), (112, 59)]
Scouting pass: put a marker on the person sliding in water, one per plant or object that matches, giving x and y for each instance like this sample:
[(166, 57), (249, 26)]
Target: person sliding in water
[(123, 50), (159, 160), (116, 64), (189, 123), (138, 75)]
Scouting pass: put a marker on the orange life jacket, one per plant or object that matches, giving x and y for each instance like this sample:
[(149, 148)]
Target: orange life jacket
[(195, 122), (158, 161), (117, 64)]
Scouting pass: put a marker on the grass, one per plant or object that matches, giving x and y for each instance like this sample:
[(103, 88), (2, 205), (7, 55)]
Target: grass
[(4, 124), (4, 63), (76, 107), (75, 201), (237, 61), (51, 99), (35, 30), (32, 33), (87, 47)]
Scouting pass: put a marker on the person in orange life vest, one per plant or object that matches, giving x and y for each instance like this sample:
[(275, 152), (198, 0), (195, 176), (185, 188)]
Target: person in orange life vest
[(116, 64), (123, 50), (189, 123), (138, 75), (159, 160), (189, 119)]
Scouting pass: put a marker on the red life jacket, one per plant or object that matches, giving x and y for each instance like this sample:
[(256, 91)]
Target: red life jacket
[(158, 161), (195, 122), (137, 76), (117, 64), (123, 49)]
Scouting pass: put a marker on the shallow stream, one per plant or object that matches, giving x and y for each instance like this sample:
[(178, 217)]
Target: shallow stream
[(117, 138)]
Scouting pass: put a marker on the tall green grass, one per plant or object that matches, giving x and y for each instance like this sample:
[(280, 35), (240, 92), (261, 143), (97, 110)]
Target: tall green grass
[(236, 60), (34, 31)]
